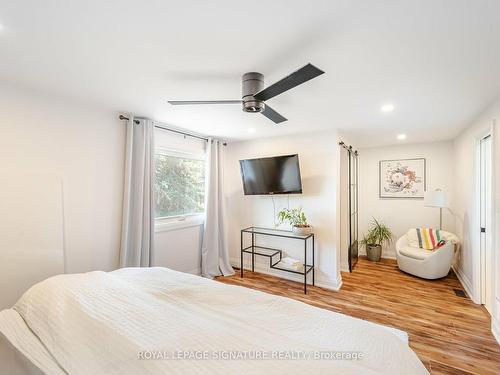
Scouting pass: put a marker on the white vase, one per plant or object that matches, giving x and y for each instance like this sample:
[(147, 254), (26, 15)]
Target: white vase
[(302, 231)]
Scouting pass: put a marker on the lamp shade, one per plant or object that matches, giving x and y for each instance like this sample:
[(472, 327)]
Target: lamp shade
[(436, 198)]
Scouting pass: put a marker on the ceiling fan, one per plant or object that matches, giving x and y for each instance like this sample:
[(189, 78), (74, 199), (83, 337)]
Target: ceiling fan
[(254, 94)]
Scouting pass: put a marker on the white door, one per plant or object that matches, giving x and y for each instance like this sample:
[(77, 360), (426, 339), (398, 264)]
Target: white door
[(485, 219)]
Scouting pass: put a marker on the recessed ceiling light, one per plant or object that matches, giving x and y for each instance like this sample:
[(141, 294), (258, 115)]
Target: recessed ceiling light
[(251, 130), (386, 108), (401, 136)]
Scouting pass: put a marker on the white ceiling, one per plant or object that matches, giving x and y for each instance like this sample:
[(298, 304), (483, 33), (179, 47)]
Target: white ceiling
[(438, 62)]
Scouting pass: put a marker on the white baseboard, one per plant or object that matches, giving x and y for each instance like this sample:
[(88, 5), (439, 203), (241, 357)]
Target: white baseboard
[(386, 256), (334, 285), (319, 279), (466, 284), (495, 329)]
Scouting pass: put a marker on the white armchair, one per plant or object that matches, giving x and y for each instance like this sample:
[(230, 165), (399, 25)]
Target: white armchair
[(427, 264)]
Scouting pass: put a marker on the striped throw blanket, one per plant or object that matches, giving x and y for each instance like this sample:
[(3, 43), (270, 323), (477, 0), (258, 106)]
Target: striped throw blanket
[(424, 238)]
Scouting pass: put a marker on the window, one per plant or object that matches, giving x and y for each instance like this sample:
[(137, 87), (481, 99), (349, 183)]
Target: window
[(179, 184)]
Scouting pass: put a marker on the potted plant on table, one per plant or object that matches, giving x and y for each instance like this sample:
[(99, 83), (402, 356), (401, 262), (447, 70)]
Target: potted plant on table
[(377, 234), (296, 218)]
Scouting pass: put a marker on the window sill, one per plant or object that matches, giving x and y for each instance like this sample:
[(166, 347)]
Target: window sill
[(169, 224)]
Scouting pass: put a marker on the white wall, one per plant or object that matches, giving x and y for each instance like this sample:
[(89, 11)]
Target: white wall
[(80, 145), (80, 149), (31, 232), (464, 207), (402, 214), (467, 266), (318, 157), (178, 247)]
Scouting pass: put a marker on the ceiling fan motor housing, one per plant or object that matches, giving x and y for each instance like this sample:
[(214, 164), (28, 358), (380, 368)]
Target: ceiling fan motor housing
[(252, 83)]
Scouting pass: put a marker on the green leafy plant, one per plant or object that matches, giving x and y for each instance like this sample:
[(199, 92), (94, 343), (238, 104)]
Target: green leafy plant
[(377, 234), (294, 217)]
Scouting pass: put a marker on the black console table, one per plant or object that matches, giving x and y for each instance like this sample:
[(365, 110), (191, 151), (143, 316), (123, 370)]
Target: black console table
[(276, 255)]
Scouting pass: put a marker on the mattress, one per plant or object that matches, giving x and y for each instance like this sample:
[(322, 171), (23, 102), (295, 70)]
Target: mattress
[(21, 353), (159, 321)]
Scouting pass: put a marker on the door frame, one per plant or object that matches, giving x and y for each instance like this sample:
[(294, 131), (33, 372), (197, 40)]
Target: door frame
[(478, 255), (353, 205), (353, 201)]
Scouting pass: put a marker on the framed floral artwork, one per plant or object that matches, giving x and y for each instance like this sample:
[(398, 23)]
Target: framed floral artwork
[(403, 178)]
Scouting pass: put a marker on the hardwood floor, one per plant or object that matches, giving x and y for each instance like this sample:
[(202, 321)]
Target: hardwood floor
[(449, 333)]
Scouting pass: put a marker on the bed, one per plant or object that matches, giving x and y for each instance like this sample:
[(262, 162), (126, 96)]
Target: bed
[(159, 321)]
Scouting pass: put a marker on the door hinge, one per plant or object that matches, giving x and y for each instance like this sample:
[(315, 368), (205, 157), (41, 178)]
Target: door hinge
[(483, 230)]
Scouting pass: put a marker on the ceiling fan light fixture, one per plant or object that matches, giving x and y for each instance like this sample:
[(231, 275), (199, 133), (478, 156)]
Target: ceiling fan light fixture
[(254, 94), (253, 106)]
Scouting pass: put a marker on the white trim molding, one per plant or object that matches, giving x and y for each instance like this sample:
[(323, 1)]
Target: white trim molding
[(334, 285), (495, 329), (383, 256), (475, 284), (173, 223), (466, 284), (320, 280), (390, 255)]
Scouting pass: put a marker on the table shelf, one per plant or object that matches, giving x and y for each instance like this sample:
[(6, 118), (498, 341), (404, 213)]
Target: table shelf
[(308, 268), (277, 233), (276, 255), (261, 250)]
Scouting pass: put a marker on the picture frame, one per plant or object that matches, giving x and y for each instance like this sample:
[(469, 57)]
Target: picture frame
[(402, 178)]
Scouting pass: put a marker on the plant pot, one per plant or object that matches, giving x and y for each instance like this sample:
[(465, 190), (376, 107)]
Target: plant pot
[(373, 252), (302, 231)]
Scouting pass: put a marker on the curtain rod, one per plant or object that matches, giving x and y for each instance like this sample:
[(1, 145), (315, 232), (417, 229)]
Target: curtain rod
[(171, 130), (121, 117), (348, 148), (179, 132)]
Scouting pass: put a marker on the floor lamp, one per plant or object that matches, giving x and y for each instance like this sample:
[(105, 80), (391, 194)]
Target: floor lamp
[(436, 198)]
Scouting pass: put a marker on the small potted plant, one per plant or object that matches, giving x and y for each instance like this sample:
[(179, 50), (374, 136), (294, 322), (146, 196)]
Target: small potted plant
[(377, 234), (296, 218)]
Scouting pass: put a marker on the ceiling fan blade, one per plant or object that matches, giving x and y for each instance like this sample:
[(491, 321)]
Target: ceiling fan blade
[(190, 102), (272, 115), (298, 77)]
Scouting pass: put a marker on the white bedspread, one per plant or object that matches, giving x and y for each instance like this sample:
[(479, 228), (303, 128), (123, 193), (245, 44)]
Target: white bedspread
[(104, 323)]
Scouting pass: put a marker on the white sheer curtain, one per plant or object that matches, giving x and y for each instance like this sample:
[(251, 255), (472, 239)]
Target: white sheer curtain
[(138, 205), (214, 251)]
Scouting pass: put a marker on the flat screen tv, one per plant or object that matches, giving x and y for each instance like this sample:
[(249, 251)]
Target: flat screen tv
[(276, 175)]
